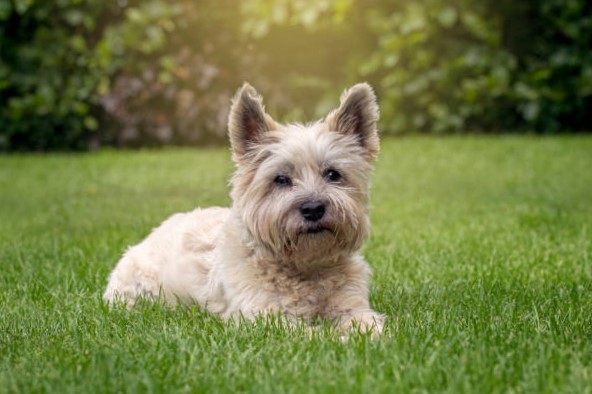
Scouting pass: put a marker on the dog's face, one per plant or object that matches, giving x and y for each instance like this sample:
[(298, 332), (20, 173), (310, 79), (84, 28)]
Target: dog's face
[(302, 191)]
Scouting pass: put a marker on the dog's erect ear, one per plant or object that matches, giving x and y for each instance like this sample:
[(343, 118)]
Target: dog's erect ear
[(357, 115), (247, 121)]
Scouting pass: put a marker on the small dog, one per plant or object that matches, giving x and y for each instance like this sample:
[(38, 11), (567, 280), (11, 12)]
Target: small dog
[(290, 242)]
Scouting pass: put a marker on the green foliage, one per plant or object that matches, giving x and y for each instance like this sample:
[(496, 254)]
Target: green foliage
[(48, 73), (462, 65), (59, 61), (175, 68), (75, 74)]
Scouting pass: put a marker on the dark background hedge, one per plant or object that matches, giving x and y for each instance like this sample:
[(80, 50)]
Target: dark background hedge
[(80, 74)]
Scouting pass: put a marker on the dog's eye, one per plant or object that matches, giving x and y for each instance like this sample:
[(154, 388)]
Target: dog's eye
[(282, 180), (332, 175)]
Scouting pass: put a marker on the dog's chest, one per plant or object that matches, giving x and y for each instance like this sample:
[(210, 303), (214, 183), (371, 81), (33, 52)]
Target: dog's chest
[(294, 293)]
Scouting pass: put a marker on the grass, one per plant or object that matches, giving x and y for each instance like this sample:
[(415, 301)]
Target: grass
[(481, 249)]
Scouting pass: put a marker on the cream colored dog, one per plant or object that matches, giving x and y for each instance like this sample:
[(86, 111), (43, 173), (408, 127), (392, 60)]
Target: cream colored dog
[(290, 241)]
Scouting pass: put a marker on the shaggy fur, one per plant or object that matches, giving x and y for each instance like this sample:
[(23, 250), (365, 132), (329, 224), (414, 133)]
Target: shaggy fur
[(290, 241)]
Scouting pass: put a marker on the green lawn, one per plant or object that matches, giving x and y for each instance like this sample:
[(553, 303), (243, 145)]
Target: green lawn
[(481, 249)]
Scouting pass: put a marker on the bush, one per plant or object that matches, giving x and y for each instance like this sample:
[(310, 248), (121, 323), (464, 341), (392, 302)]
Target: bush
[(76, 74), (446, 66), (48, 73), (177, 66)]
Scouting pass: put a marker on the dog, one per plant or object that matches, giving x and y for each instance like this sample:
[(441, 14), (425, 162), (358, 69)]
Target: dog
[(289, 244)]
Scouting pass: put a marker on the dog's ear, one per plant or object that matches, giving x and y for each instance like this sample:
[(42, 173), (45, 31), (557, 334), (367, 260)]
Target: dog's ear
[(247, 121), (357, 115)]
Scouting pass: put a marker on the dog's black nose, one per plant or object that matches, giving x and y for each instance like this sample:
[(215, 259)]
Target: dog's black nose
[(312, 211)]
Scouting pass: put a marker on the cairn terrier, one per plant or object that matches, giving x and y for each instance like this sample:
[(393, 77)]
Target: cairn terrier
[(290, 242)]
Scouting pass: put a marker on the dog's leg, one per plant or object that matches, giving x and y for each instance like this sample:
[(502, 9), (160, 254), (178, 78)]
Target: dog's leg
[(367, 321), (350, 309), (133, 277)]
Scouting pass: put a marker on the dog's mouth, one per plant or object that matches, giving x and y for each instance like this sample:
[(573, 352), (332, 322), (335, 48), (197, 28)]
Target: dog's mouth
[(315, 230)]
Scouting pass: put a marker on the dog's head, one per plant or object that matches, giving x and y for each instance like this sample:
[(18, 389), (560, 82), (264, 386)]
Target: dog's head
[(302, 190)]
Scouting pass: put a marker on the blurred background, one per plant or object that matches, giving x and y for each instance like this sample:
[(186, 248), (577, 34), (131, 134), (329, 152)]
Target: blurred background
[(78, 75)]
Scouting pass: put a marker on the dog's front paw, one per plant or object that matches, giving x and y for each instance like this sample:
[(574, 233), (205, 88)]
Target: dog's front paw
[(363, 321)]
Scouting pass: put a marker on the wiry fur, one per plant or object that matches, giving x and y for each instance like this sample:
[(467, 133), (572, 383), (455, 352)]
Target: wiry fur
[(261, 255)]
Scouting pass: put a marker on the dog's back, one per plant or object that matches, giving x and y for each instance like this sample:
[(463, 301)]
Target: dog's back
[(174, 261)]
